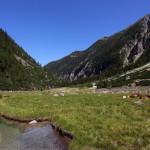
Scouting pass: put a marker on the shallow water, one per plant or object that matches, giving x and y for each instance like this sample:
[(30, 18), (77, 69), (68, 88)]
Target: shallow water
[(15, 137)]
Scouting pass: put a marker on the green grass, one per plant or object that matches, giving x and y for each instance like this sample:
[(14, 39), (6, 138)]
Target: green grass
[(97, 121)]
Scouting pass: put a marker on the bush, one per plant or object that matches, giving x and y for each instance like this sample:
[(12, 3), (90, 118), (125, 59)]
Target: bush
[(143, 83)]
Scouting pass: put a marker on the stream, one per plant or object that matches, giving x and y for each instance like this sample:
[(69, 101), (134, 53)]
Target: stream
[(21, 136)]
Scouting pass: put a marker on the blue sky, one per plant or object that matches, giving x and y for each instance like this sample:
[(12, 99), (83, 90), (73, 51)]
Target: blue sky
[(51, 29)]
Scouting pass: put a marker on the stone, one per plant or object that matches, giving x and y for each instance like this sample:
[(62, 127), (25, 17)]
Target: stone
[(94, 87), (33, 122), (61, 94), (138, 102), (127, 77), (124, 97)]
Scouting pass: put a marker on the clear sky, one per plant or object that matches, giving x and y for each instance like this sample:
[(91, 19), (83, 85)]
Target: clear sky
[(51, 29)]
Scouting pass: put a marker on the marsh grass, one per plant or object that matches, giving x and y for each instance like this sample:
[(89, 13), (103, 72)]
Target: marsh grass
[(103, 121)]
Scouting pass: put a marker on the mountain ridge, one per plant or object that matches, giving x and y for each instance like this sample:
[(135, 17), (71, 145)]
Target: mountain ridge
[(120, 52)]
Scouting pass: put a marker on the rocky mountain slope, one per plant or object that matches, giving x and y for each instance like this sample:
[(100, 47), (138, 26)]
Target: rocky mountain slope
[(108, 56), (18, 70)]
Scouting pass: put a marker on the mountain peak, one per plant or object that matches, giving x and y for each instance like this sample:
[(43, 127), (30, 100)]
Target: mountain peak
[(145, 20), (123, 50), (147, 17)]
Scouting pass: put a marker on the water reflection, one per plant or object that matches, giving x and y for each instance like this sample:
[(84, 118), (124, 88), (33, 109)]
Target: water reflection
[(32, 138), (8, 135)]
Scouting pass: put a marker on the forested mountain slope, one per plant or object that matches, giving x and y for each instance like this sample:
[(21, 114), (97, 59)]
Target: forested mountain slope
[(18, 70)]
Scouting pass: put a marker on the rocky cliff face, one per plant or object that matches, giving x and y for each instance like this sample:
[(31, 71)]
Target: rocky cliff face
[(136, 47), (130, 47)]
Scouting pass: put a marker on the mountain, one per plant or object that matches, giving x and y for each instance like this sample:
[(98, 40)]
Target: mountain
[(108, 56), (18, 70)]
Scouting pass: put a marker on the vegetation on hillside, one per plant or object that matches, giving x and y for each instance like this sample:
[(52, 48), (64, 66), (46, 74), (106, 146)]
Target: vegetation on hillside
[(18, 70), (138, 78), (104, 59), (104, 54)]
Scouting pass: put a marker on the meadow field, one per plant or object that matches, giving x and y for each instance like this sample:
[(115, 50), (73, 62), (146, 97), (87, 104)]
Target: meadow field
[(97, 121)]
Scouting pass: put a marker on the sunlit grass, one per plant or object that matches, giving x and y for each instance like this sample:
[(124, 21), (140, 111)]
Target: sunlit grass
[(97, 121)]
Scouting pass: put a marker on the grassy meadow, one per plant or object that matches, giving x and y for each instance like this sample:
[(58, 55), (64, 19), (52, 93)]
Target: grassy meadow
[(97, 121)]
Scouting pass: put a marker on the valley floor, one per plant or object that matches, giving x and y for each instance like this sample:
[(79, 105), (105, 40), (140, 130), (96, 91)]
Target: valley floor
[(96, 119)]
